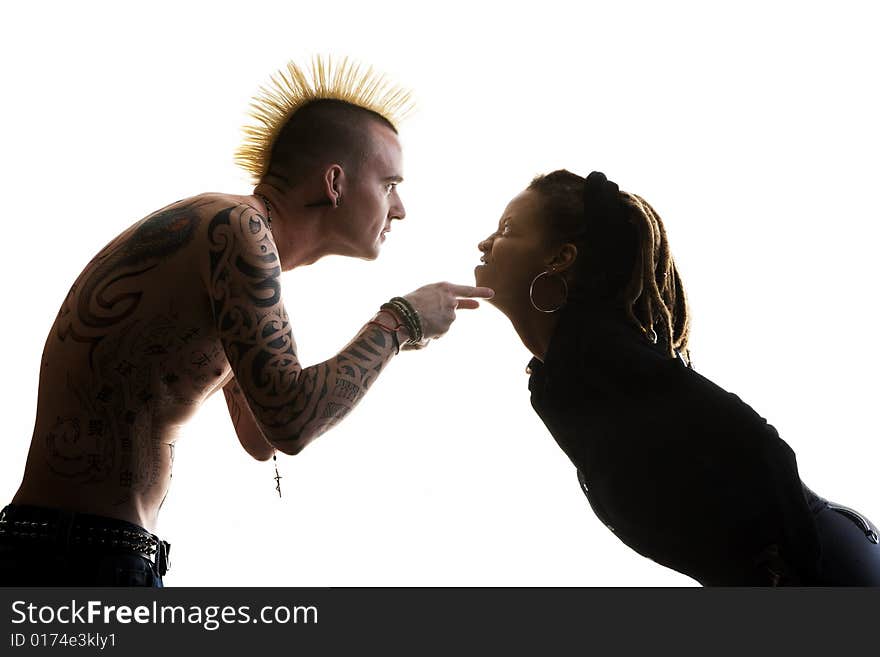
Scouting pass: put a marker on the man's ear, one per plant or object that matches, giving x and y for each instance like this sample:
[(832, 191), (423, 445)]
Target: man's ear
[(334, 182), (564, 257)]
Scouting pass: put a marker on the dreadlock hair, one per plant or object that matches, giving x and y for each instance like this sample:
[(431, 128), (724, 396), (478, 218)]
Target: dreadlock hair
[(303, 117), (624, 260)]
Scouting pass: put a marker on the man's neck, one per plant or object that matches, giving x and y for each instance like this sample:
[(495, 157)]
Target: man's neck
[(298, 231)]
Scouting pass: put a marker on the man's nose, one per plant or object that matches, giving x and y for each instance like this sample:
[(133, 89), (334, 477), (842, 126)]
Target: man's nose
[(398, 211)]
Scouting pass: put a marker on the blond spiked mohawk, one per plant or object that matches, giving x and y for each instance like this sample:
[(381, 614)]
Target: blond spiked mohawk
[(292, 89)]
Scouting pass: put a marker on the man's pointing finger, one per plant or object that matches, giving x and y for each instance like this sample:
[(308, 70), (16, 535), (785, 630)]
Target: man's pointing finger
[(470, 291)]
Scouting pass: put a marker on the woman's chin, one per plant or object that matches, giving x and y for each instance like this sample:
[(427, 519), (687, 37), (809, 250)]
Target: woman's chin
[(482, 280)]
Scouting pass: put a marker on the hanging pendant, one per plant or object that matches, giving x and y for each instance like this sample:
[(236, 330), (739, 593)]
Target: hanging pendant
[(277, 476)]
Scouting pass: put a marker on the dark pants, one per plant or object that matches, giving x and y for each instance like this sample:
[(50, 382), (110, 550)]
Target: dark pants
[(850, 544), (51, 547)]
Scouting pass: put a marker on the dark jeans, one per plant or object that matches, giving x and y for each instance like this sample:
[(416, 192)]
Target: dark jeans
[(63, 560), (850, 544)]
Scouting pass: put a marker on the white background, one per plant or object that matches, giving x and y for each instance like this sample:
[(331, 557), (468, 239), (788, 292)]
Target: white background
[(752, 129)]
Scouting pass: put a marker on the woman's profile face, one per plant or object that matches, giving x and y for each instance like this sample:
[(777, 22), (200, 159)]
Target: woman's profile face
[(516, 252)]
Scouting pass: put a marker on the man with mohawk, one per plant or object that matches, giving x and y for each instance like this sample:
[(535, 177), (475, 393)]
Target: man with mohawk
[(187, 301)]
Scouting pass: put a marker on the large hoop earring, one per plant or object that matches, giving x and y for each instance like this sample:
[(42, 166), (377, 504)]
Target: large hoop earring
[(532, 290)]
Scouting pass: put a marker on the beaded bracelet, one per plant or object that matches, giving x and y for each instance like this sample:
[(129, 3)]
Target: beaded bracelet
[(407, 308), (410, 317), (413, 327), (399, 314), (396, 314), (400, 324)]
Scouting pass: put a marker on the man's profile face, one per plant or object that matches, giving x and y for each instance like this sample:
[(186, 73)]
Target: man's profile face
[(372, 200)]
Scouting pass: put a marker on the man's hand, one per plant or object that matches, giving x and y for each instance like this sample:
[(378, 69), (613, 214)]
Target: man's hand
[(436, 305)]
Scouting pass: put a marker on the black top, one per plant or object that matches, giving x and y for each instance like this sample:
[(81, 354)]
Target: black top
[(682, 471)]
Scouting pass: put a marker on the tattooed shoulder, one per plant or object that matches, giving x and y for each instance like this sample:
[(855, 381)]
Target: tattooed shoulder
[(92, 310)]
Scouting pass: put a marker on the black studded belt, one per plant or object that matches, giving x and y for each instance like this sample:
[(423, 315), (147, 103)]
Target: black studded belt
[(43, 526)]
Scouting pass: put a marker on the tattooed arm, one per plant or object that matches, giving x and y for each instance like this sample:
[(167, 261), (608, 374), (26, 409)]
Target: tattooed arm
[(249, 434), (291, 405)]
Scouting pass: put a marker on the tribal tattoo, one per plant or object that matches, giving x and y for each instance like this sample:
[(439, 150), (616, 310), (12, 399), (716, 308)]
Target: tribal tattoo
[(103, 296), (291, 404)]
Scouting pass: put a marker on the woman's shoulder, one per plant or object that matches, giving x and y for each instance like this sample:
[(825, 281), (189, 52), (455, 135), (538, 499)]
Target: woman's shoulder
[(606, 358), (601, 349)]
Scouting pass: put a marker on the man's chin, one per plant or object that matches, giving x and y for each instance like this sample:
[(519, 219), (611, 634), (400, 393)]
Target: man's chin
[(371, 252)]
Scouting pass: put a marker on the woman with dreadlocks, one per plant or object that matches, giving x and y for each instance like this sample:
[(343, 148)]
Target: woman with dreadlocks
[(680, 470)]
